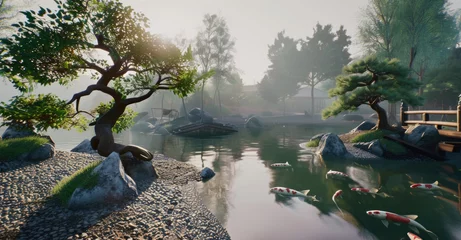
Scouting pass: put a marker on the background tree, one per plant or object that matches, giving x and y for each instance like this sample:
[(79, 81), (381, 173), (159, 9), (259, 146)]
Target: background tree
[(223, 58), (419, 33), (371, 81), (280, 81), (55, 46), (322, 57), (377, 33), (444, 83), (205, 50), (426, 32)]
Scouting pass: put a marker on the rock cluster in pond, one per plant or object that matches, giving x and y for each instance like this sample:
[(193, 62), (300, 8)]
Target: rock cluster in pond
[(423, 136), (84, 147), (253, 123), (113, 186), (364, 126), (331, 147)]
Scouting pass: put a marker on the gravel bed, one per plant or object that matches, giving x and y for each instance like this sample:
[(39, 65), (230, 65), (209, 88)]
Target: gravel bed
[(168, 208)]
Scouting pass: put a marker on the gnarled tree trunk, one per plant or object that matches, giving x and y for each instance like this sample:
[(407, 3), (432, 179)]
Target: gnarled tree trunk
[(382, 122)]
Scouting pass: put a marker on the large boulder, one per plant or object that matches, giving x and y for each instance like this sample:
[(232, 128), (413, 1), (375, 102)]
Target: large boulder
[(195, 115), (43, 152), (16, 131), (331, 146), (114, 186), (364, 126), (138, 170), (144, 127), (253, 122), (423, 136), (84, 147)]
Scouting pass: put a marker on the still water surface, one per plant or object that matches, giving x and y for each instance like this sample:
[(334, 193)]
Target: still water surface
[(239, 193)]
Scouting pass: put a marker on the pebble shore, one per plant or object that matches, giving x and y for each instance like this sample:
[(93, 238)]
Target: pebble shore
[(168, 208)]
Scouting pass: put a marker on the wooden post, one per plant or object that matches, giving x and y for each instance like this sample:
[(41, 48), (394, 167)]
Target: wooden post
[(458, 115), (403, 116), (425, 117)]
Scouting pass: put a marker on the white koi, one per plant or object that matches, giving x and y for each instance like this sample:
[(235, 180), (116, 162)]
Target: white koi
[(373, 192), (426, 186), (413, 236), (293, 193), (338, 193), (387, 217), (336, 174), (281, 165)]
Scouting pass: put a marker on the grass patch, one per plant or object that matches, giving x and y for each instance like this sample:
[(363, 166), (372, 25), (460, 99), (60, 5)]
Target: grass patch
[(393, 147), (83, 178), (15, 147), (370, 136), (313, 143)]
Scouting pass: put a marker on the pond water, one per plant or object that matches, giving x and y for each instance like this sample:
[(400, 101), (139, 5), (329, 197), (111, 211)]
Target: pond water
[(239, 193)]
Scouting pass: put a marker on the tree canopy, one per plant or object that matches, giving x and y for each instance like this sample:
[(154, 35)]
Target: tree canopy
[(279, 82), (107, 39), (444, 83), (370, 81)]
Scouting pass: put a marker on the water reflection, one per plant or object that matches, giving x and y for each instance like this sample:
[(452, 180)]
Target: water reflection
[(239, 193)]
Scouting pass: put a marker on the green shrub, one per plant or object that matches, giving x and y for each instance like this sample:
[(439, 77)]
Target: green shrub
[(83, 178), (13, 148), (313, 143), (393, 147), (370, 136)]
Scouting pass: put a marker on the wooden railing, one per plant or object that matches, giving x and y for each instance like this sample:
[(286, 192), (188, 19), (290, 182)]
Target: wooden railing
[(425, 119)]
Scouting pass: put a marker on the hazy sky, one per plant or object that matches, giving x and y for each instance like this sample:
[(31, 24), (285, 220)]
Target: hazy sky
[(253, 23)]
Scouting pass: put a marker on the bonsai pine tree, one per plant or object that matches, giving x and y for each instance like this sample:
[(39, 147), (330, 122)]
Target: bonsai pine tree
[(103, 37), (371, 81)]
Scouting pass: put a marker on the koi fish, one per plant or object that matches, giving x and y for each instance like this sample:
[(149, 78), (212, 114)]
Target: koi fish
[(399, 219), (280, 165), (413, 236), (426, 186), (373, 192), (336, 174), (291, 192), (338, 193)]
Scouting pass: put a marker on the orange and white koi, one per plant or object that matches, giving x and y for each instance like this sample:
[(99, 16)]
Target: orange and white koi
[(293, 193), (281, 165), (413, 236), (426, 186), (338, 193), (373, 192), (336, 174), (387, 217)]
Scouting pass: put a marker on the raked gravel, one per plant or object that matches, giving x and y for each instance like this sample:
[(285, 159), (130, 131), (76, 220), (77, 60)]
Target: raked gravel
[(168, 208)]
